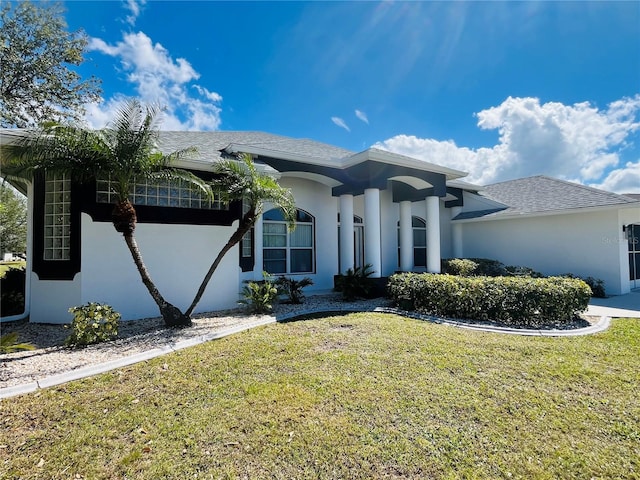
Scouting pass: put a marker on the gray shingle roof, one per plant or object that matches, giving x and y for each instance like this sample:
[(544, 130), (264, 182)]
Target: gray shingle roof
[(542, 194), (209, 144)]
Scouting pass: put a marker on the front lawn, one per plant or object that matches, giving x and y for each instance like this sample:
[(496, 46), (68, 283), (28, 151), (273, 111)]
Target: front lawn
[(357, 396), (5, 266)]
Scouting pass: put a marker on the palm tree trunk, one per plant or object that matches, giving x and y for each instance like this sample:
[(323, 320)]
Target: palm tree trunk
[(171, 314), (245, 225)]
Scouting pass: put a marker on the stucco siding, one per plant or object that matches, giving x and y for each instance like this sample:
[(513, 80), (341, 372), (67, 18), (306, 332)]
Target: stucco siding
[(177, 257), (585, 244), (53, 298)]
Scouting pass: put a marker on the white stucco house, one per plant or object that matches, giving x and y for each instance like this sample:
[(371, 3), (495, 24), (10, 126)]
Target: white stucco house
[(391, 211)]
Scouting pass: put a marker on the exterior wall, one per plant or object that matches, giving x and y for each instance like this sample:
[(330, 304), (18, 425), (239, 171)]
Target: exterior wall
[(177, 256), (585, 244), (446, 235), (51, 299)]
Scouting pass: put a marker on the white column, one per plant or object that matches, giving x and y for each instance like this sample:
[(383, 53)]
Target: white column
[(347, 249), (406, 237), (372, 253), (433, 234), (456, 233)]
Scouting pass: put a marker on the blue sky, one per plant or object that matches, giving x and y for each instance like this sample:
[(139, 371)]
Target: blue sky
[(499, 90)]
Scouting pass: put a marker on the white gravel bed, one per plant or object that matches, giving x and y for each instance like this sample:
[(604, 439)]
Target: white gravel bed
[(52, 358)]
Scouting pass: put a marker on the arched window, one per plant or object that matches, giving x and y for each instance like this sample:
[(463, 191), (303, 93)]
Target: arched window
[(288, 252), (419, 227)]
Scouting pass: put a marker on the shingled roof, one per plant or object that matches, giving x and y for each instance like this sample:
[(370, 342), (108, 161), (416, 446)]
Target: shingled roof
[(542, 194), (210, 144)]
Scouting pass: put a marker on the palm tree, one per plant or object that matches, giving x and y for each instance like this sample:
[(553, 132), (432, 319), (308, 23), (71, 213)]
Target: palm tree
[(242, 181), (125, 150)]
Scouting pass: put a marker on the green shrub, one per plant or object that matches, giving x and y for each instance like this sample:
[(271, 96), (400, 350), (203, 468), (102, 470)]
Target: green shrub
[(260, 295), (292, 288), (9, 343), (12, 287), (489, 268), (523, 272), (595, 284), (518, 301), (356, 283), (92, 323), (459, 266), (468, 267)]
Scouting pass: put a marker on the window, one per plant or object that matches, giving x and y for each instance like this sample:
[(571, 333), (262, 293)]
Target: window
[(246, 244), (57, 218), (287, 252), (419, 242), (165, 193)]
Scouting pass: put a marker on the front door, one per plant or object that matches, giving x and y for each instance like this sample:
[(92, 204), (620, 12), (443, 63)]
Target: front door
[(633, 237)]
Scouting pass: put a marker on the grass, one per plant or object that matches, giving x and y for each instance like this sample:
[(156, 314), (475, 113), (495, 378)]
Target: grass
[(356, 396), (5, 266)]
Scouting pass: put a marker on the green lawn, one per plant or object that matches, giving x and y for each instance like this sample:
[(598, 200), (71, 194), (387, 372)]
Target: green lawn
[(358, 396), (4, 266)]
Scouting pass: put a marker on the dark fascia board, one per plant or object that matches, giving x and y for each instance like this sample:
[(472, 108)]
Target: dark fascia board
[(458, 193), (355, 179), (403, 192)]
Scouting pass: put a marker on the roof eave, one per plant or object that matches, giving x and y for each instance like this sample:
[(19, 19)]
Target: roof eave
[(567, 211)]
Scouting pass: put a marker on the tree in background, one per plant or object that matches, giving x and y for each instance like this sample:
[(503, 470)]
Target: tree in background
[(13, 220), (36, 51)]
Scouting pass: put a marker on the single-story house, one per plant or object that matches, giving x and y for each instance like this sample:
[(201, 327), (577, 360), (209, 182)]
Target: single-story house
[(394, 212)]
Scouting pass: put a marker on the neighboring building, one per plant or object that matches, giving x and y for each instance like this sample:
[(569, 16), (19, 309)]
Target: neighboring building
[(391, 211)]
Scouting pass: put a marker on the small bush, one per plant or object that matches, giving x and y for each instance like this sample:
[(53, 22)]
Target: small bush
[(595, 284), (523, 272), (9, 343), (292, 288), (519, 301), (259, 296), (92, 323), (467, 267), (12, 287), (356, 283), (489, 268), (459, 266)]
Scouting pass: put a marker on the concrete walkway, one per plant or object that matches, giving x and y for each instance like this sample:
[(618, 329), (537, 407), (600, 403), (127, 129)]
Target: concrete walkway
[(620, 306)]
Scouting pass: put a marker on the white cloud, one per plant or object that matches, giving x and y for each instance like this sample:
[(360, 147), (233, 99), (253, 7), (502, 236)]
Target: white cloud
[(578, 142), (341, 123), (362, 116), (159, 79), (134, 6), (622, 180)]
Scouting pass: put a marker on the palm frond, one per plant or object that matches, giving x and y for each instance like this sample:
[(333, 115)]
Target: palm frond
[(241, 180)]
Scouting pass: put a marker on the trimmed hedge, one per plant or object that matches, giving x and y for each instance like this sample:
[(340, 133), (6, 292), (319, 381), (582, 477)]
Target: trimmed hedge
[(517, 301)]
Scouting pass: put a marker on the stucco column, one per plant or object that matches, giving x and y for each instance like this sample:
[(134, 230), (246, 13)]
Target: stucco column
[(456, 233), (372, 252), (347, 259), (406, 237), (433, 234)]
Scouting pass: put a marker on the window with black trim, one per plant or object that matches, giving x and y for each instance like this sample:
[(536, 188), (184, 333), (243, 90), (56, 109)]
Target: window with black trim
[(57, 218), (175, 193), (287, 252)]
